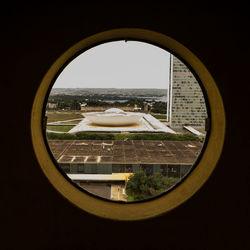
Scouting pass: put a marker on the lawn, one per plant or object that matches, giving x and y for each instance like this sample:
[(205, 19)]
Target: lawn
[(64, 128), (159, 116), (70, 122), (62, 116)]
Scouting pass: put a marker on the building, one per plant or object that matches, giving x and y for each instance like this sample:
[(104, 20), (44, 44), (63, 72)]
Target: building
[(187, 104), (103, 167), (51, 105)]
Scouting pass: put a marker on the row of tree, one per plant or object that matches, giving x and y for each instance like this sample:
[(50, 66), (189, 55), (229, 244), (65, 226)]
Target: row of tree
[(72, 105), (64, 102), (159, 108)]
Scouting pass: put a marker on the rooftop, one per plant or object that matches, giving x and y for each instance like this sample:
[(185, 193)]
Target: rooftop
[(100, 177), (125, 152)]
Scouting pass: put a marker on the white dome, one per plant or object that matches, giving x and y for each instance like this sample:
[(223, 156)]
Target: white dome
[(114, 110), (114, 117)]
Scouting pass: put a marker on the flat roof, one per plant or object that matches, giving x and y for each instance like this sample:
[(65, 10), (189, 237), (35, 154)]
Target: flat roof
[(100, 177), (125, 152)]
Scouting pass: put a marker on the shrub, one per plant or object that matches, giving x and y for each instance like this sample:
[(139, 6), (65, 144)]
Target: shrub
[(141, 186), (158, 136), (94, 136), (110, 136)]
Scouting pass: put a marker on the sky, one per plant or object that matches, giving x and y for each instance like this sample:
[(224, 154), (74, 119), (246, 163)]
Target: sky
[(118, 64)]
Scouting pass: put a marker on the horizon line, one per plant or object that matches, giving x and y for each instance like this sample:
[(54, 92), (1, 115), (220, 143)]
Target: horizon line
[(102, 88)]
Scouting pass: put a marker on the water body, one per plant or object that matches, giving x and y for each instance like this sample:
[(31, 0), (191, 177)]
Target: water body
[(156, 98), (149, 99), (113, 101)]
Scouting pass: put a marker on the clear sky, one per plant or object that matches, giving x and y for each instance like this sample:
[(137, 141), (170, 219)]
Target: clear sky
[(118, 64)]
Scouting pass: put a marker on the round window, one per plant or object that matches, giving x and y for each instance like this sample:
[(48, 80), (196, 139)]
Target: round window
[(125, 122)]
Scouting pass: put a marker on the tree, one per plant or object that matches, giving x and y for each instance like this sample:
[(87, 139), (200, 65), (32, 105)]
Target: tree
[(75, 105), (140, 186), (61, 105), (159, 107)]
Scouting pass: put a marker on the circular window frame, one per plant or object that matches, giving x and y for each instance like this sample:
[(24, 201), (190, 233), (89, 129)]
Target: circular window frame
[(164, 203)]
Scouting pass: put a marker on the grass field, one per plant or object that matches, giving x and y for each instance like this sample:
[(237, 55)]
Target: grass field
[(60, 128), (160, 116), (62, 116), (71, 122)]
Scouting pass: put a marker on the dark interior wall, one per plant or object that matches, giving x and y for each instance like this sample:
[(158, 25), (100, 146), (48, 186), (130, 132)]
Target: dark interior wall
[(35, 216)]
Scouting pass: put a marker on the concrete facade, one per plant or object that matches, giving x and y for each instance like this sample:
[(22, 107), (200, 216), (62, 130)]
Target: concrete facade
[(187, 104)]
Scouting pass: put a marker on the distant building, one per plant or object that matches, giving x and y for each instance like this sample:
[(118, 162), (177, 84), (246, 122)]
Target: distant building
[(136, 108), (186, 104), (83, 104), (145, 108), (51, 105)]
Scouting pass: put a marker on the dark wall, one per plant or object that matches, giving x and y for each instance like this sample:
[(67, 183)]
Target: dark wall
[(35, 216)]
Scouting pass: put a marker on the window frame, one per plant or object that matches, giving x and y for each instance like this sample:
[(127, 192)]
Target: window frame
[(166, 202)]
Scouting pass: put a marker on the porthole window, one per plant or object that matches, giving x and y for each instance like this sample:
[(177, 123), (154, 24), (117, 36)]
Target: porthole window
[(125, 120), (128, 124)]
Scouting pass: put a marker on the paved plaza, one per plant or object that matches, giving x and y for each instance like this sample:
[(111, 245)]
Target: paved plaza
[(147, 124)]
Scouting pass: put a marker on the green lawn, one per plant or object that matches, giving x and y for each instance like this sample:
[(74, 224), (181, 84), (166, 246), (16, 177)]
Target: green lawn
[(64, 128), (160, 116), (71, 122), (53, 117)]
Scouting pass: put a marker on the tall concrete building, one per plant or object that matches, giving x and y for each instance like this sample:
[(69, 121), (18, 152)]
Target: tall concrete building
[(186, 104)]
